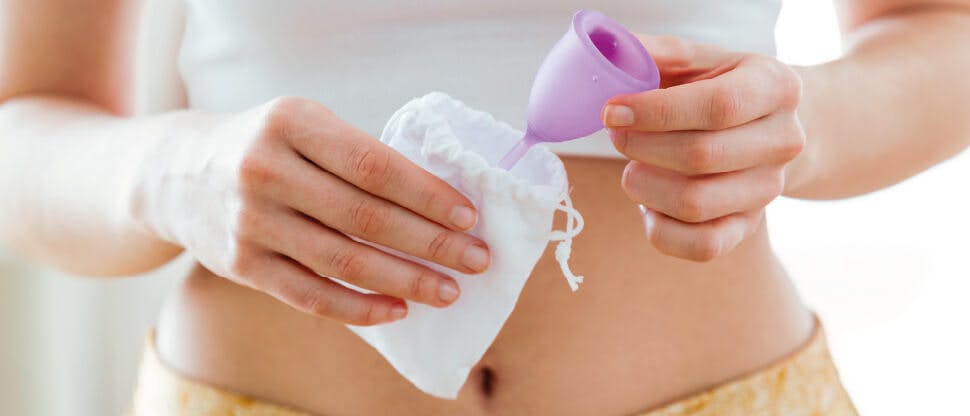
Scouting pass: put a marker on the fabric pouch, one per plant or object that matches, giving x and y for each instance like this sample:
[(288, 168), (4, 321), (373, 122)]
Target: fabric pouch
[(437, 348)]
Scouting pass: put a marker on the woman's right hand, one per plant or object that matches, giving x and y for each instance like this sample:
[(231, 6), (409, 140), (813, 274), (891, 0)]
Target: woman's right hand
[(268, 198)]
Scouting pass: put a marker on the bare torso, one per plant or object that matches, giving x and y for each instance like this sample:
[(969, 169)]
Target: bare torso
[(643, 330)]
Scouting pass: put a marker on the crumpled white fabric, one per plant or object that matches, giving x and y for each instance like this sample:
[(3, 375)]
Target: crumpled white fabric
[(436, 348)]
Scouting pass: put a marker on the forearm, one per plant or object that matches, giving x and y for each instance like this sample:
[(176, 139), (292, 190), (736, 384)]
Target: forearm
[(895, 105), (68, 178)]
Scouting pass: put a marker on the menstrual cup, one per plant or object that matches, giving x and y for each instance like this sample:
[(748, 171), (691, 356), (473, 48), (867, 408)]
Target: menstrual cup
[(594, 61)]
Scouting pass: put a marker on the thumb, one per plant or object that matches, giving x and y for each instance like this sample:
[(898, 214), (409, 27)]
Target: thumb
[(667, 50), (675, 55)]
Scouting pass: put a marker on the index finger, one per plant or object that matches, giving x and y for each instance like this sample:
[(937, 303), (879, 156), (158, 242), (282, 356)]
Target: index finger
[(754, 88), (372, 166)]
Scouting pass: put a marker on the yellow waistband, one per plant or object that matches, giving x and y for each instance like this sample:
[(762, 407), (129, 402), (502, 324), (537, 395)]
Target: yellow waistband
[(806, 383)]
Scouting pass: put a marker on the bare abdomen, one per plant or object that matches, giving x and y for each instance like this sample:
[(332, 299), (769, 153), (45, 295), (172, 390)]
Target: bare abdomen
[(644, 329)]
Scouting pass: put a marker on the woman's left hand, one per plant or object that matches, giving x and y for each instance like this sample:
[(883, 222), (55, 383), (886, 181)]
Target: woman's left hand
[(709, 150)]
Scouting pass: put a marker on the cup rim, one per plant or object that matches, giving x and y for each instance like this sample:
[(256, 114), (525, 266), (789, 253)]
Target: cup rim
[(583, 17)]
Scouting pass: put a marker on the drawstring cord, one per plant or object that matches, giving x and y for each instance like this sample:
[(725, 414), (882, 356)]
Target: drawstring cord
[(574, 225)]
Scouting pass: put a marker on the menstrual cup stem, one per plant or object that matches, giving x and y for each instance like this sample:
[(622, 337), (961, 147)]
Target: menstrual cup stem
[(514, 155)]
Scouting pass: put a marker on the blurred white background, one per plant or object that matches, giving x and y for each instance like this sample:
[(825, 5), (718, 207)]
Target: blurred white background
[(888, 272)]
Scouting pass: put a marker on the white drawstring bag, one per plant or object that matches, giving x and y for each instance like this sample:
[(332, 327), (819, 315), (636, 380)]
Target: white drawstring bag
[(436, 348)]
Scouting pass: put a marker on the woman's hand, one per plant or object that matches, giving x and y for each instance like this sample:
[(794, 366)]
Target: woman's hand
[(268, 198), (708, 151)]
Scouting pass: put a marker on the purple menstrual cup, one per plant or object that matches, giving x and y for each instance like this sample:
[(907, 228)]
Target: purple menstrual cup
[(597, 59)]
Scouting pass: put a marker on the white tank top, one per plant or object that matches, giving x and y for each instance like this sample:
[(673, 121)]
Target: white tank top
[(366, 58)]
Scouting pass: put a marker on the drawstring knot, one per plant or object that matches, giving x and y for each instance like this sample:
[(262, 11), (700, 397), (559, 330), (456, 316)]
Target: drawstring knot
[(574, 225)]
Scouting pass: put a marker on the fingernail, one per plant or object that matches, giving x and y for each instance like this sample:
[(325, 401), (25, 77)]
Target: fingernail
[(448, 292), (617, 116), (463, 217), (475, 258), (398, 311), (648, 218)]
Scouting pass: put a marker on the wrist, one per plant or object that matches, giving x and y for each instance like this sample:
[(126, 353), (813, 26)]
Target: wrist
[(174, 143), (801, 171)]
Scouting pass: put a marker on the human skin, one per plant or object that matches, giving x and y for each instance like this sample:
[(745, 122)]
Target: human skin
[(891, 43), (69, 151), (288, 180), (712, 147)]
